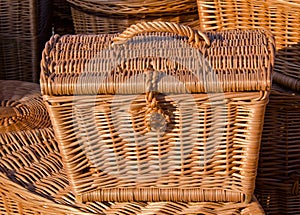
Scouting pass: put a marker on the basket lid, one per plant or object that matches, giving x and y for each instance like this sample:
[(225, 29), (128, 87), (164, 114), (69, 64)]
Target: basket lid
[(21, 107), (194, 62)]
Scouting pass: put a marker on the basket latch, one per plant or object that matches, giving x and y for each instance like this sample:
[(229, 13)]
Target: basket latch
[(156, 118)]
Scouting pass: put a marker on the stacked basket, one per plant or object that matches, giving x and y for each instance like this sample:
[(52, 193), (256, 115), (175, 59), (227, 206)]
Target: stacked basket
[(24, 28), (171, 116), (102, 16), (278, 172)]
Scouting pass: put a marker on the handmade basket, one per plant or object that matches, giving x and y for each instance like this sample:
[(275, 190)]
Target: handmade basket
[(277, 184), (62, 17), (33, 181), (101, 16), (21, 107), (278, 160), (25, 26), (281, 17), (162, 117)]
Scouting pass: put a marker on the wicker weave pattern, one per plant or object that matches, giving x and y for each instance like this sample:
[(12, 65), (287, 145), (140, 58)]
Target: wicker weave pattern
[(62, 17), (24, 28), (21, 107), (278, 172), (135, 7), (33, 181), (106, 161), (281, 17), (95, 17)]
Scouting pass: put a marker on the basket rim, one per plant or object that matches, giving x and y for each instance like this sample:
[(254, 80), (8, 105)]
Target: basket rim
[(134, 7)]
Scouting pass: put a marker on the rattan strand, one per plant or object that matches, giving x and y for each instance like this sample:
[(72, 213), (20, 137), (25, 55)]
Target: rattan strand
[(24, 28), (102, 153), (33, 181), (95, 17), (277, 184), (281, 17), (21, 107)]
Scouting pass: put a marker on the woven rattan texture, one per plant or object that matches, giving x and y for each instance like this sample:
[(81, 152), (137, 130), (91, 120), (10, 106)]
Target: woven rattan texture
[(95, 17), (200, 150), (21, 107), (24, 28), (278, 176), (281, 17), (33, 181), (62, 17)]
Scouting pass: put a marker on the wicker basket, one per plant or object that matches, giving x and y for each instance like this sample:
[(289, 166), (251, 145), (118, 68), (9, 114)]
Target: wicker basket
[(21, 107), (278, 160), (104, 17), (278, 176), (281, 17), (62, 17), (24, 28), (122, 140), (33, 181)]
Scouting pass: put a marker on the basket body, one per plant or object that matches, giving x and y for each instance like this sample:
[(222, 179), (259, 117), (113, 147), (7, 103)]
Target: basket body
[(33, 181), (99, 17), (281, 17), (278, 170), (181, 136)]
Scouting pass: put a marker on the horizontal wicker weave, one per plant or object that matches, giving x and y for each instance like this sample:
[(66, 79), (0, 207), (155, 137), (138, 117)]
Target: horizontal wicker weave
[(21, 106), (278, 176), (281, 17), (123, 141), (33, 181), (24, 28), (101, 16)]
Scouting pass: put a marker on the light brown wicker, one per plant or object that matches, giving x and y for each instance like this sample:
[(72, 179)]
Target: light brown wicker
[(101, 16), (33, 182), (24, 28), (122, 140), (281, 17), (278, 166), (21, 107), (278, 176)]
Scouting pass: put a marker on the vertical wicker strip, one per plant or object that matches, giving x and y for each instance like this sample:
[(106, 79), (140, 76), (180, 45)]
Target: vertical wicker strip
[(122, 140), (24, 28)]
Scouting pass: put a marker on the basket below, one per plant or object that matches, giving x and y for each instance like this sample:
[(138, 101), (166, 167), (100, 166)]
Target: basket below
[(33, 181)]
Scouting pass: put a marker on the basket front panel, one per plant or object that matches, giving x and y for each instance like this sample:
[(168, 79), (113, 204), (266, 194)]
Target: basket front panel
[(196, 142)]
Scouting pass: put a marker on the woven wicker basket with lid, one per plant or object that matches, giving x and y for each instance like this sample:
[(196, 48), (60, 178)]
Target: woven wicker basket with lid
[(146, 120)]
